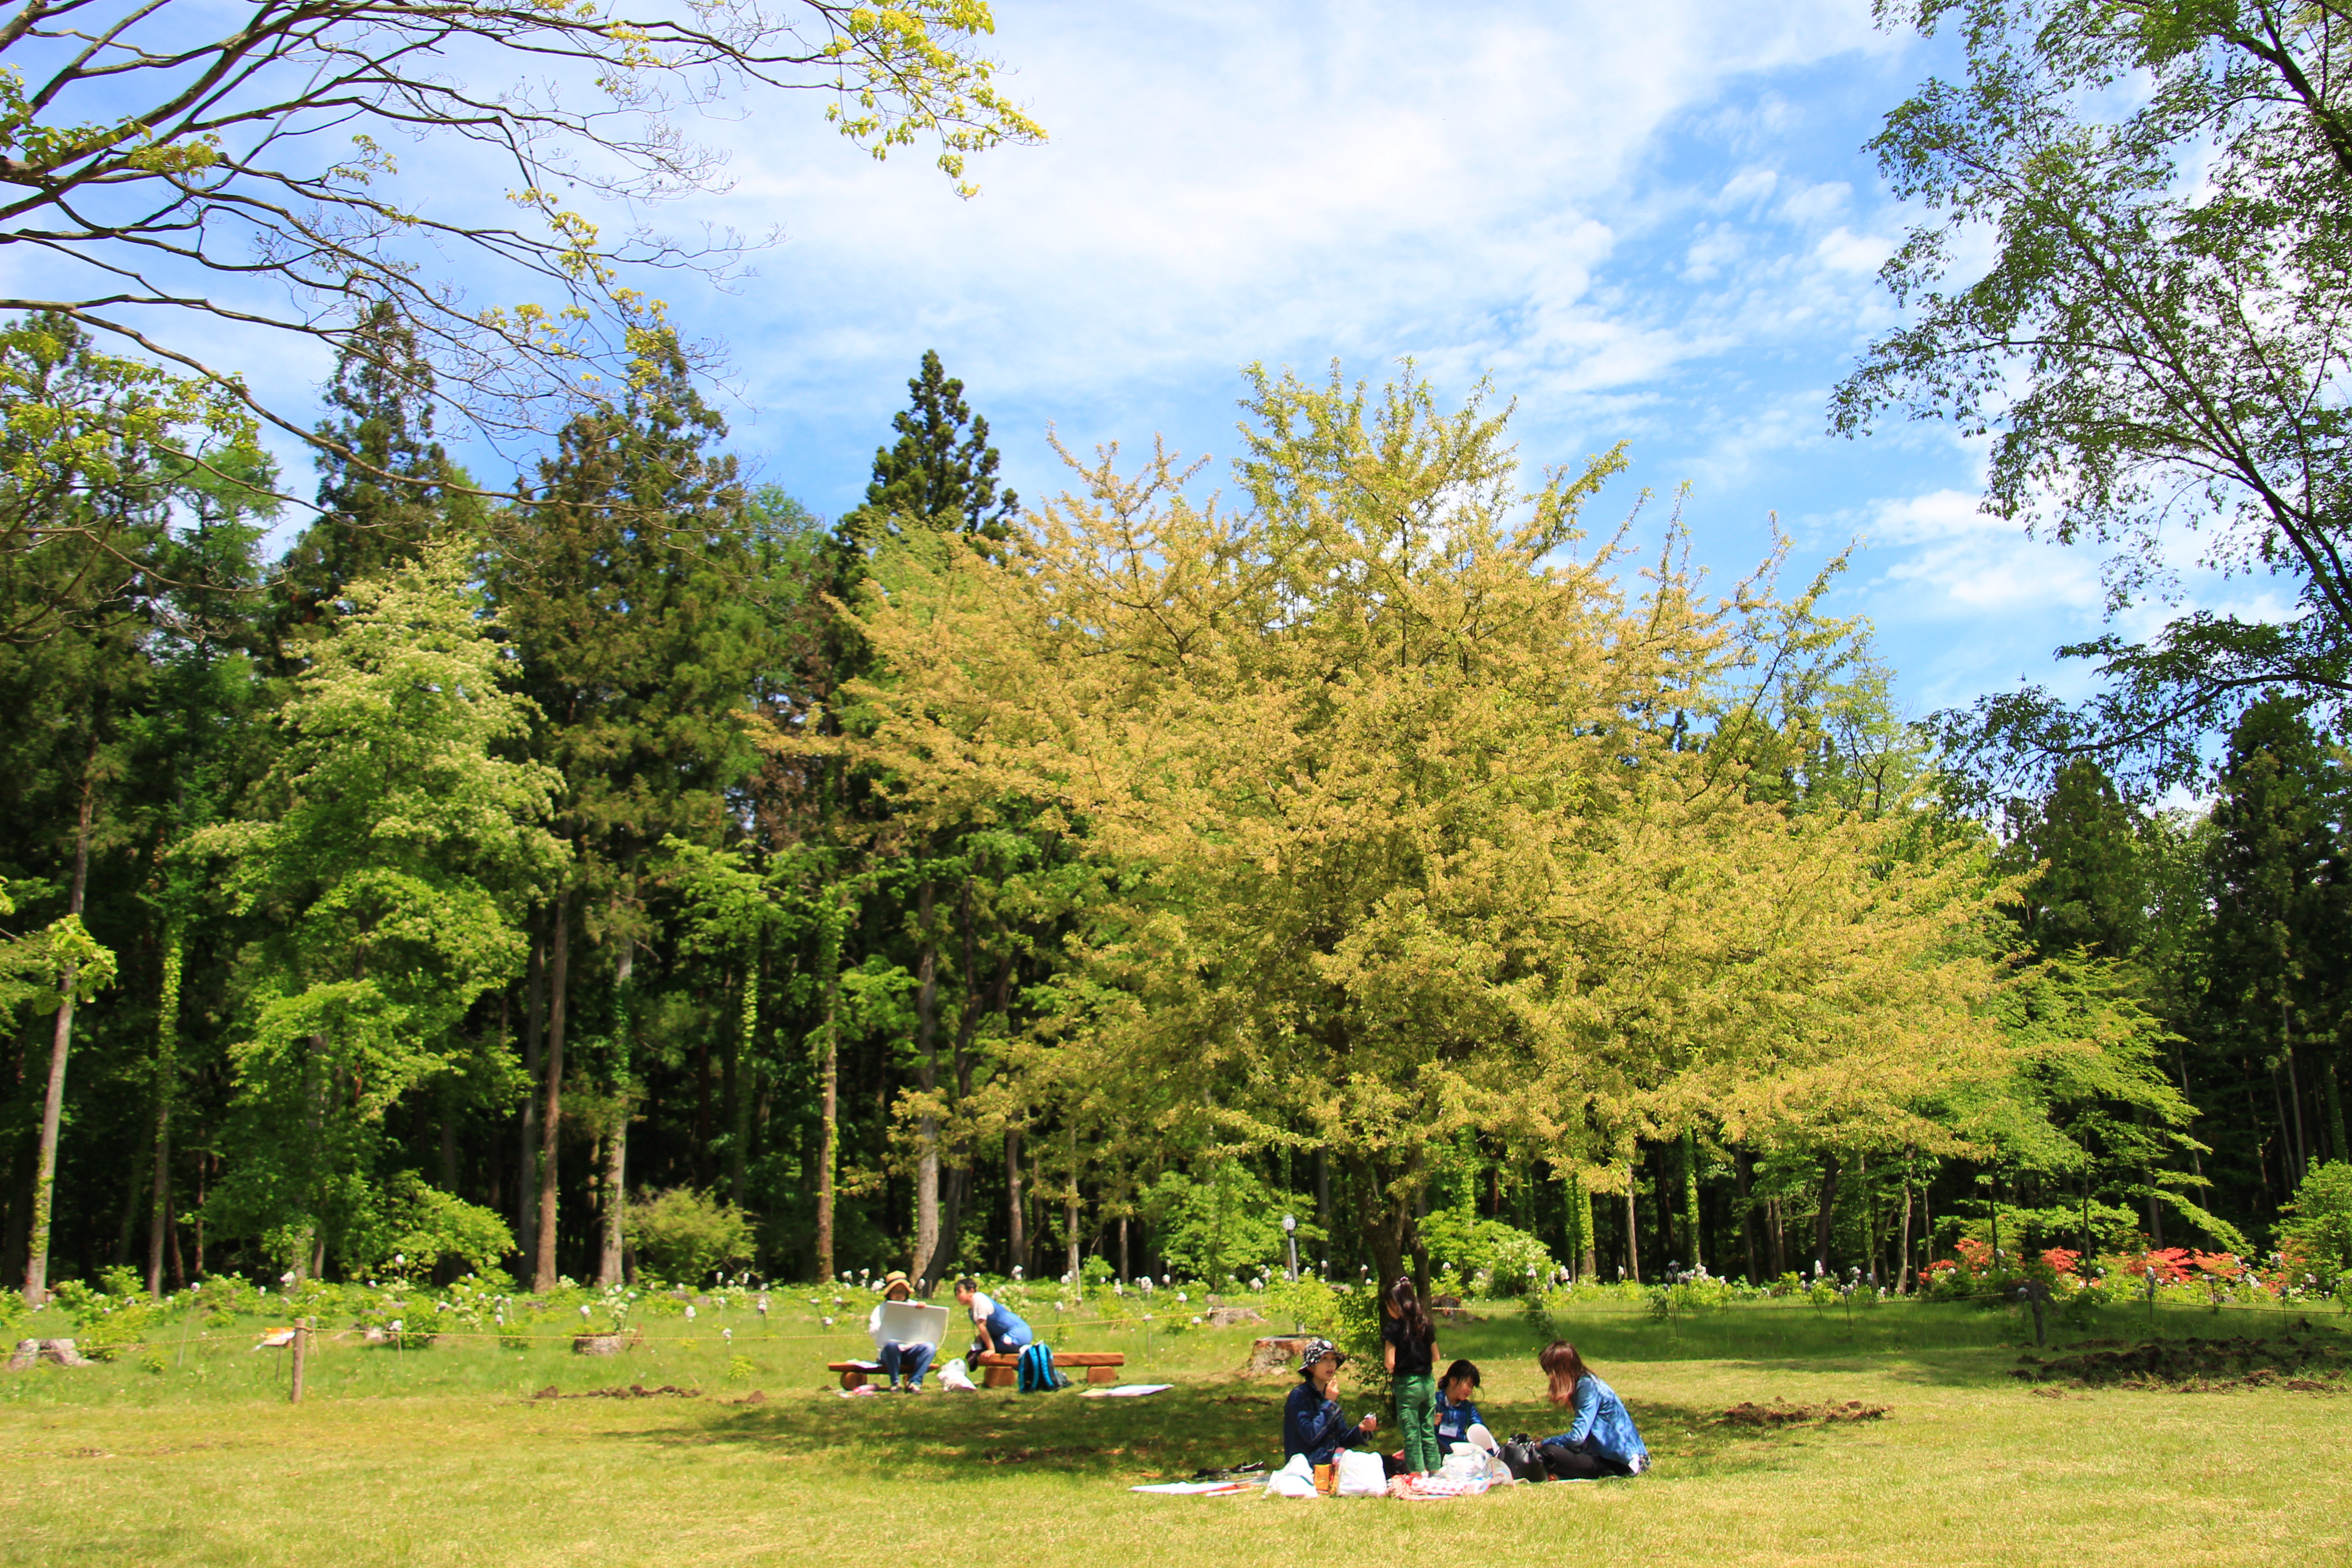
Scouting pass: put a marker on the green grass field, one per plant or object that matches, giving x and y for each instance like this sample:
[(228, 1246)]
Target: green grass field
[(439, 1456)]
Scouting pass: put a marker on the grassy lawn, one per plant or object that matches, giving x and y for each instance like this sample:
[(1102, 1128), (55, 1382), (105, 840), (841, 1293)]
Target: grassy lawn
[(439, 1456)]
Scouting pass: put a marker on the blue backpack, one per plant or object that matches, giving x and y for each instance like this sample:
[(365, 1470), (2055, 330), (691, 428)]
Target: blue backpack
[(1035, 1369)]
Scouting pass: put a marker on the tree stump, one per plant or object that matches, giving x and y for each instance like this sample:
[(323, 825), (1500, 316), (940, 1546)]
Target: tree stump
[(1278, 1353), (599, 1345), (1227, 1317), (57, 1352)]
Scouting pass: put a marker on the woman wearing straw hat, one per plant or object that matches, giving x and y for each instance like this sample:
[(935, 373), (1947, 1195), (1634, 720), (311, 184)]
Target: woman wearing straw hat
[(915, 1359)]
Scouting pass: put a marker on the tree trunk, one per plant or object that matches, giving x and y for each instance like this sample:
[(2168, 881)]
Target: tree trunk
[(167, 1075), (741, 1068), (1691, 1221), (1323, 1202), (1586, 1264), (1392, 1220), (1903, 1271), (829, 1075), (2294, 1100), (2334, 1098), (1870, 1233), (1633, 1226), (526, 1150), (961, 1175), (705, 1169), (1823, 1220), (45, 1162), (609, 1269), (559, 964), (1070, 1210), (1016, 1229), (926, 1078), (1743, 1166)]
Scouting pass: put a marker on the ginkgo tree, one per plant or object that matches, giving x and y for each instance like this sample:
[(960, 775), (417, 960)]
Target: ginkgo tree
[(390, 848), (1403, 788)]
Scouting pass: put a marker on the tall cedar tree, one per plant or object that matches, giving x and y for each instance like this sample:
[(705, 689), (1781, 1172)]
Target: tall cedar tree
[(385, 485), (937, 474), (2090, 892), (634, 599), (71, 672), (939, 478), (2280, 885)]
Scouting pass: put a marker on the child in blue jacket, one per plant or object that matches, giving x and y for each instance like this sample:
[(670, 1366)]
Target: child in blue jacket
[(1455, 1412)]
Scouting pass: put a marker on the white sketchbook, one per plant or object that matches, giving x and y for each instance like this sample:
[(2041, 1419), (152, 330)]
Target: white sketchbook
[(912, 1323)]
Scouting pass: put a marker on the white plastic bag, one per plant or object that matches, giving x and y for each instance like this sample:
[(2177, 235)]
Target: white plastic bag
[(1361, 1475), (1463, 1463), (1295, 1479), (954, 1375)]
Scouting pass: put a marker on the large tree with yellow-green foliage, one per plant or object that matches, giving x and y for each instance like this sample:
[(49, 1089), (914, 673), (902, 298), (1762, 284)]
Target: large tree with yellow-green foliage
[(1419, 809)]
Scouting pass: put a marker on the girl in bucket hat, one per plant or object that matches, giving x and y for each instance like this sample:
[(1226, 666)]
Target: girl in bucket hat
[(1311, 1422)]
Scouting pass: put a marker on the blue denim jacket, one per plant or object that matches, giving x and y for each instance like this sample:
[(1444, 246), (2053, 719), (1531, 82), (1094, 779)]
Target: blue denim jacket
[(1312, 1425), (1601, 1425), (1454, 1421)]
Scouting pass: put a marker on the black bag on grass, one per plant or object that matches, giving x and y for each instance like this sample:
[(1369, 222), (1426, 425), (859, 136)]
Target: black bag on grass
[(1520, 1457)]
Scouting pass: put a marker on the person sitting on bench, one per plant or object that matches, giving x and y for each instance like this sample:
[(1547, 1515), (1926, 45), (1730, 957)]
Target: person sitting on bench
[(915, 1359), (996, 1326)]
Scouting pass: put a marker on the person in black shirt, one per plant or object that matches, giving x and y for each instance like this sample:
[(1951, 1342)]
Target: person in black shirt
[(1410, 1352), (1311, 1422)]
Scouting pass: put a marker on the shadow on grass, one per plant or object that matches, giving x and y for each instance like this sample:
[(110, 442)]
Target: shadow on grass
[(982, 1438)]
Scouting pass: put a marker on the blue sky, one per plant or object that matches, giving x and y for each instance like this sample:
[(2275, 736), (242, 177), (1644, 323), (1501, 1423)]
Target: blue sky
[(1654, 224)]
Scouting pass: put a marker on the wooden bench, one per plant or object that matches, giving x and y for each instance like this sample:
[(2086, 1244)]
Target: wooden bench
[(855, 1373), (995, 1371), (998, 1371)]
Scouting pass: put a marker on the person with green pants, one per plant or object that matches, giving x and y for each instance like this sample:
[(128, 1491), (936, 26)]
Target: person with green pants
[(1410, 1352)]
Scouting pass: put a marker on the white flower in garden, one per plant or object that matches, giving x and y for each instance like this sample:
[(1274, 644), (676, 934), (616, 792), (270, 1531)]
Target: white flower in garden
[(584, 1311), (689, 1311), (827, 1321), (727, 1334), (1183, 1296)]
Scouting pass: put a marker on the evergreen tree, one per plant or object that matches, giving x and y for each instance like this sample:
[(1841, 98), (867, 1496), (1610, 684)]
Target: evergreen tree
[(2280, 884), (2091, 891), (637, 604), (384, 483), (941, 474)]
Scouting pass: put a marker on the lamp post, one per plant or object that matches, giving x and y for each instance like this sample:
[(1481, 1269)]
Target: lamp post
[(1290, 1239)]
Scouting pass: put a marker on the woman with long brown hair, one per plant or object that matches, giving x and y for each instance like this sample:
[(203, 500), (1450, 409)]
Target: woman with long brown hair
[(1601, 1440)]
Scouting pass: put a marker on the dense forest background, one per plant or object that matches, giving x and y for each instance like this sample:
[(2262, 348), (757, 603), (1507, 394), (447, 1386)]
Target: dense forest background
[(503, 881)]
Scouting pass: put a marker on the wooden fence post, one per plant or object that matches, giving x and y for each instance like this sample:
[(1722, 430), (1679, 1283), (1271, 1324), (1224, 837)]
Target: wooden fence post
[(302, 1350)]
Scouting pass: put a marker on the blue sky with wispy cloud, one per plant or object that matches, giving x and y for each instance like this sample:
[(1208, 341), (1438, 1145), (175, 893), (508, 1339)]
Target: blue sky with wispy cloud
[(1654, 223)]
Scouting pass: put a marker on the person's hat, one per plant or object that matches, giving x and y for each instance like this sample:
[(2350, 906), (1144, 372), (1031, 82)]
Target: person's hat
[(1321, 1350), (896, 1280)]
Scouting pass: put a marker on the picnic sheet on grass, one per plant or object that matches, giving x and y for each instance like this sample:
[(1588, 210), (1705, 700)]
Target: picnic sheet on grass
[(1198, 1489), (1128, 1391)]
